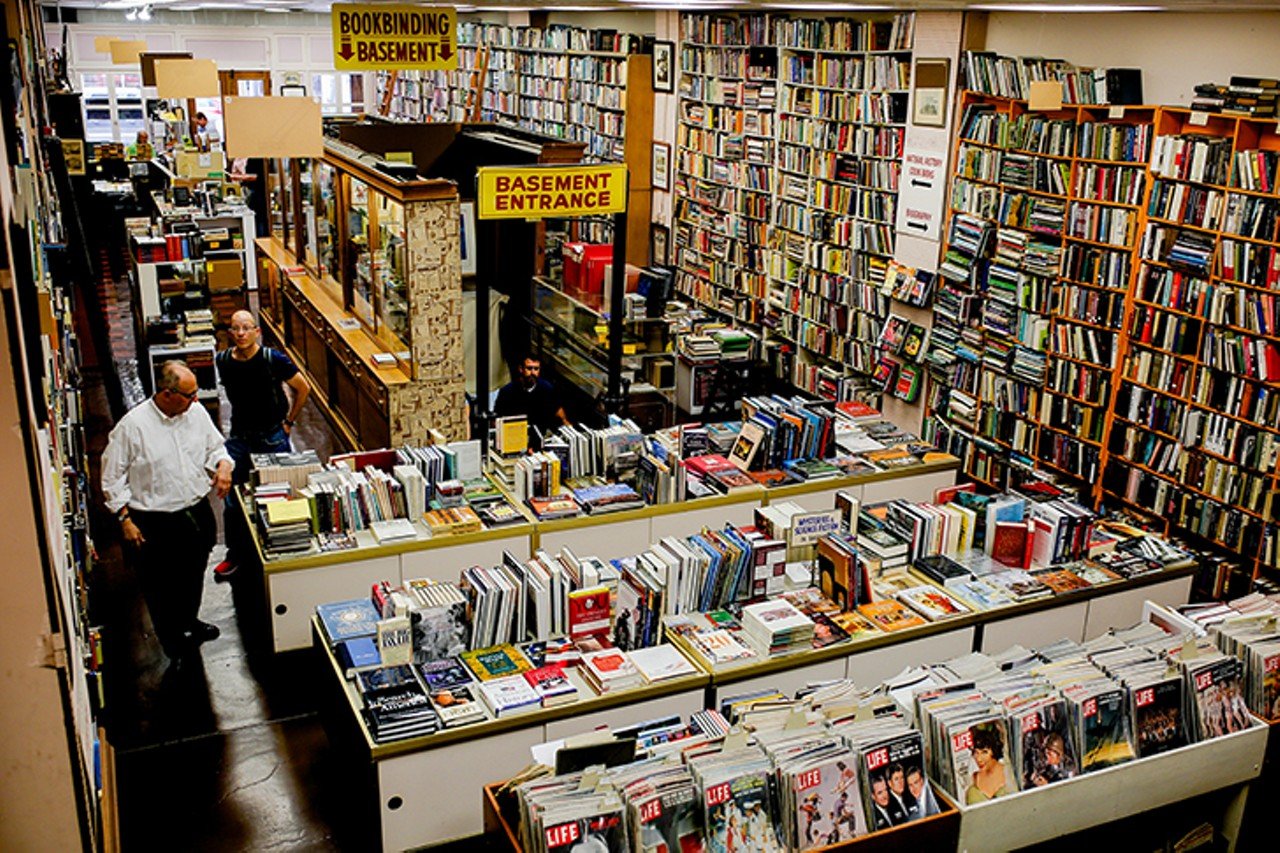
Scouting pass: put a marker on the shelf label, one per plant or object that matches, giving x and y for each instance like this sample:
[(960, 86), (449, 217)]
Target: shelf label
[(921, 193), (373, 37), (537, 192)]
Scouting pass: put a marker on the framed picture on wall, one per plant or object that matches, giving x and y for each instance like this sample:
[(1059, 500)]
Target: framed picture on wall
[(658, 237), (662, 165), (929, 104), (664, 57)]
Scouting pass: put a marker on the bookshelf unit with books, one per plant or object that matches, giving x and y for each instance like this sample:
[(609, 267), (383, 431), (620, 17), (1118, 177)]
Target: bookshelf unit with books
[(1044, 219), (843, 90), (723, 163), (1196, 427)]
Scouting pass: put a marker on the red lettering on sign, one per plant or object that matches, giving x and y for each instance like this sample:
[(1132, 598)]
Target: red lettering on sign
[(650, 811), (1144, 697), (877, 758), (808, 779), (1030, 722), (963, 740), (1090, 708)]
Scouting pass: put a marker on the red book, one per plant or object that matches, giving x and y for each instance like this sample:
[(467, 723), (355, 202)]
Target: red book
[(1012, 544)]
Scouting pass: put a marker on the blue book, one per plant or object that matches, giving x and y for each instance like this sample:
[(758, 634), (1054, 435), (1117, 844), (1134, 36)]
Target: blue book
[(358, 654), (343, 620)]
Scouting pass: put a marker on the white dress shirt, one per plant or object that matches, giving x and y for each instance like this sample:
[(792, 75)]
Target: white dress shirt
[(161, 464)]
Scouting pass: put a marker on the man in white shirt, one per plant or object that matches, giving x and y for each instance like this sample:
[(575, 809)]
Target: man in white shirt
[(161, 461)]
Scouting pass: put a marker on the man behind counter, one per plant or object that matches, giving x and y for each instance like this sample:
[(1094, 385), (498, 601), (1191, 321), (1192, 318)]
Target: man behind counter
[(532, 396)]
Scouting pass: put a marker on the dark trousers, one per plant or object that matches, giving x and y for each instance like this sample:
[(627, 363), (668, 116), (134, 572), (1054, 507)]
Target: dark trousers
[(235, 531), (171, 563)]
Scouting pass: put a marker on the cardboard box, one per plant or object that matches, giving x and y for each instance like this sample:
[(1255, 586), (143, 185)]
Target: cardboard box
[(200, 164), (224, 274), (584, 265)]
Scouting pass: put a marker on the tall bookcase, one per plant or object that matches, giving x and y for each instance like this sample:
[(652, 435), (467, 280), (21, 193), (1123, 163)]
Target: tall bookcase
[(1110, 312), (724, 161), (789, 149), (841, 126), (1044, 219), (1197, 411)]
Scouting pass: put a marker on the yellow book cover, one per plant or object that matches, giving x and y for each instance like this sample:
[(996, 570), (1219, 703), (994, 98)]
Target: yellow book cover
[(513, 435), (288, 511)]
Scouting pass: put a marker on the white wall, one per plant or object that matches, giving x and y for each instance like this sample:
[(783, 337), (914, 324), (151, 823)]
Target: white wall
[(1175, 50)]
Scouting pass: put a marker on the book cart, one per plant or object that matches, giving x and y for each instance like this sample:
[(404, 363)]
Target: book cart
[(447, 768), (295, 585)]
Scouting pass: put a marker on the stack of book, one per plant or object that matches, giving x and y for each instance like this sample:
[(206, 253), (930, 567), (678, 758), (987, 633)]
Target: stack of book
[(286, 526), (601, 498), (608, 670), (291, 468), (777, 627), (1247, 96), (396, 705), (452, 692), (452, 521)]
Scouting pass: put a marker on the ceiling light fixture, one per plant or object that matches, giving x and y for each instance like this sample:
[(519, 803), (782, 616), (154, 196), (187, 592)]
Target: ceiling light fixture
[(145, 14), (1054, 7), (131, 15)]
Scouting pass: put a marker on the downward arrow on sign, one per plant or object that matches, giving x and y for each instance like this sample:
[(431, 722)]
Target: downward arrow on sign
[(446, 51), (345, 51)]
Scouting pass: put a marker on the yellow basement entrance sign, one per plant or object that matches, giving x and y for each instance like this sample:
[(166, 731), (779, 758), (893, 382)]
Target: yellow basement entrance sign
[(537, 192), (369, 37)]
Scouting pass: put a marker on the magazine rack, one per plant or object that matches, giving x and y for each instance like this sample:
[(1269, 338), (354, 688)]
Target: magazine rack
[(936, 832), (1031, 817)]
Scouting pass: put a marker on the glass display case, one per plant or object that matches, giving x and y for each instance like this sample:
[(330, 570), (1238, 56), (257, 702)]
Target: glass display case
[(358, 251), (280, 202), (322, 225), (571, 329)]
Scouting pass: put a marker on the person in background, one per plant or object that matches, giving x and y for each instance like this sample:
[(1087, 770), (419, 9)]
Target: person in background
[(141, 147), (262, 417), (532, 396), (161, 462)]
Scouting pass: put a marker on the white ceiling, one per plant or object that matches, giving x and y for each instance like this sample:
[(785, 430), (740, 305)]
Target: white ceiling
[(817, 6)]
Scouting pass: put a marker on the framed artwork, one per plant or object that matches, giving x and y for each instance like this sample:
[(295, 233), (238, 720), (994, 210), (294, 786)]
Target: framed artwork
[(929, 104), (658, 237), (662, 165), (664, 58)]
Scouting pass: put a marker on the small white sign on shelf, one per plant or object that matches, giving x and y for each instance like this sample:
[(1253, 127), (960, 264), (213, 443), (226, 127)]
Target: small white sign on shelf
[(920, 193)]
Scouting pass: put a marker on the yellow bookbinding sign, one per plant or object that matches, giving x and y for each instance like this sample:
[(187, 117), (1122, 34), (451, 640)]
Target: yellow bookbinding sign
[(537, 192), (373, 37)]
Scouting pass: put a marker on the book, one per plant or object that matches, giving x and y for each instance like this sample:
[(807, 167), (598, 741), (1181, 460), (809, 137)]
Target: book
[(552, 685), (509, 694), (889, 615), (357, 654), (395, 640), (343, 620), (456, 706), (495, 662), (658, 663), (932, 603), (609, 669)]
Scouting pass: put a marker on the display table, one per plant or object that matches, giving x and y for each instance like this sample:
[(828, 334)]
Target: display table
[(295, 585), (425, 788)]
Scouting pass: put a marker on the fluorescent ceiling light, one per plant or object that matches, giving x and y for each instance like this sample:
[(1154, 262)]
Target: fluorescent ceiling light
[(830, 7), (1055, 7)]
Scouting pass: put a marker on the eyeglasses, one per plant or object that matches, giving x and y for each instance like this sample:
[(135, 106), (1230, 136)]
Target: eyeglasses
[(191, 396)]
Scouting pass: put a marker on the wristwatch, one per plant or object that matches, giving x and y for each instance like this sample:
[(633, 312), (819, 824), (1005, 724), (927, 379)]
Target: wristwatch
[(123, 514)]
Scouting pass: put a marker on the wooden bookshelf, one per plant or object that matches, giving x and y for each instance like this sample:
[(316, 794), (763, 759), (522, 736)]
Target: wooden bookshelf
[(1131, 357), (1044, 218), (1197, 408), (723, 181)]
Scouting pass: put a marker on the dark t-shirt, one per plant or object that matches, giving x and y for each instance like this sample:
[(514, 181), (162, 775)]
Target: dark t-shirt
[(538, 404), (258, 402)]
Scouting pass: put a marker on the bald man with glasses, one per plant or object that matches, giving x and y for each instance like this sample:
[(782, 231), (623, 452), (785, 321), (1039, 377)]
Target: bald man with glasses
[(162, 461)]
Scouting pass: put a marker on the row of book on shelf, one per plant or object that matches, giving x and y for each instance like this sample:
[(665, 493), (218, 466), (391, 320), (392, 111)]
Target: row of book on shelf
[(301, 504), (791, 582), (839, 761)]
